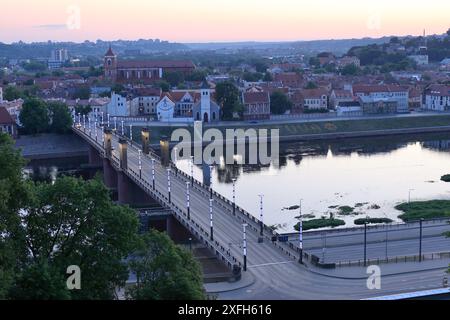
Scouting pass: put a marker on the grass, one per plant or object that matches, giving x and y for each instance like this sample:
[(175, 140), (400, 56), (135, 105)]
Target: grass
[(346, 210), (361, 221), (324, 126), (446, 178), (320, 223), (424, 209)]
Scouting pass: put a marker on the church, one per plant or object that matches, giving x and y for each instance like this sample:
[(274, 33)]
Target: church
[(141, 72)]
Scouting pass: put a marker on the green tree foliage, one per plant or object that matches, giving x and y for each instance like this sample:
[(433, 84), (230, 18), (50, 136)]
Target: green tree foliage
[(174, 78), (197, 75), (72, 222), (11, 93), (165, 271), (279, 103), (34, 66), (61, 120), (227, 96), (164, 85), (351, 70), (252, 76), (13, 195), (83, 93), (34, 116), (311, 85), (267, 77), (83, 110)]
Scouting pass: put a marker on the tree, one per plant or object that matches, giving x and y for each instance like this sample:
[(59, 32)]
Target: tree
[(311, 85), (83, 93), (227, 95), (165, 271), (267, 77), (34, 116), (164, 85), (196, 75), (174, 78), (61, 120), (279, 103), (350, 70), (73, 222), (13, 195), (11, 93), (83, 110)]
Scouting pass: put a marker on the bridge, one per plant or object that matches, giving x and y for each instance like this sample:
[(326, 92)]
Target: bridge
[(235, 236)]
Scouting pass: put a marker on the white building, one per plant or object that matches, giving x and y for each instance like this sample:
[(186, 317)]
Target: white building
[(420, 59), (118, 106), (145, 101), (387, 92), (437, 98), (165, 109)]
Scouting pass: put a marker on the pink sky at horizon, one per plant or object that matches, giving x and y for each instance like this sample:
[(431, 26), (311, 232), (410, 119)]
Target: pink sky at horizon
[(217, 20)]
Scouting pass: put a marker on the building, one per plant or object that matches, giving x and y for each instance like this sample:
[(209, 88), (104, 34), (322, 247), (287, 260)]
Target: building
[(132, 71), (298, 101), (7, 123), (349, 108), (288, 79), (256, 105), (437, 98), (348, 61), (118, 106), (338, 96), (144, 101), (378, 105), (315, 99), (57, 58), (397, 93), (420, 59)]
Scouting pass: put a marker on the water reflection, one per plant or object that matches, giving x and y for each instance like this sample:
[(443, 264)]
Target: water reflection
[(370, 175)]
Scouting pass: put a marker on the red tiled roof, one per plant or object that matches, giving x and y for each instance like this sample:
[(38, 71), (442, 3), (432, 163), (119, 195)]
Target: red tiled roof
[(256, 97), (314, 93), (5, 117), (155, 64)]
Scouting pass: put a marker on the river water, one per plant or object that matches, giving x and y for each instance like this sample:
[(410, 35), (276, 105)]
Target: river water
[(371, 175)]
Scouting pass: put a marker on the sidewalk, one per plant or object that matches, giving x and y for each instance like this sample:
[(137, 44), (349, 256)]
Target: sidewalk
[(247, 280), (386, 269)]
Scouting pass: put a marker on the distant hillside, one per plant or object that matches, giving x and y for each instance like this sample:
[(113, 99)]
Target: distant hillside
[(335, 46), (23, 50)]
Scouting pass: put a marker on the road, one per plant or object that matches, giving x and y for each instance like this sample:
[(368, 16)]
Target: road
[(277, 275)]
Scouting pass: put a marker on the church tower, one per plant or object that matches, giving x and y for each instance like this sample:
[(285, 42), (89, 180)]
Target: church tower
[(205, 102), (110, 65)]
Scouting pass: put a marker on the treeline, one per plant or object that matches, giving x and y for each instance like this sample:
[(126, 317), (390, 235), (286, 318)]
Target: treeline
[(47, 229)]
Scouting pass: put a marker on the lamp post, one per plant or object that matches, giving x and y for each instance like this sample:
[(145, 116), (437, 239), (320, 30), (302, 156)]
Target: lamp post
[(101, 122), (115, 124), (188, 200), (244, 245), (140, 163), (211, 218), (153, 173), (386, 227), (192, 170), (365, 244), (211, 168), (261, 214), (89, 125), (420, 242), (300, 229), (409, 195), (95, 128), (131, 133), (84, 122), (108, 118), (234, 196), (123, 129), (168, 185)]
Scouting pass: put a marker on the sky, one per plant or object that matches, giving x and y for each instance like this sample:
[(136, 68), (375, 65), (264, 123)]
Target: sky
[(218, 20)]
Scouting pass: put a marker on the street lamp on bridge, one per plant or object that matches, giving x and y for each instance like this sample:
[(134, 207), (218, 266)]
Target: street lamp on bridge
[(211, 218), (168, 185), (234, 196), (192, 170), (300, 230), (211, 168), (153, 173), (123, 129), (140, 163), (188, 200), (261, 214), (244, 245), (131, 133), (108, 117), (115, 124)]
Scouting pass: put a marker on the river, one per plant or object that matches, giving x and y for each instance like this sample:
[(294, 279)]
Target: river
[(371, 175)]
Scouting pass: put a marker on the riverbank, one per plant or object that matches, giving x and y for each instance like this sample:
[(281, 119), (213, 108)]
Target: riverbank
[(329, 129), (424, 210)]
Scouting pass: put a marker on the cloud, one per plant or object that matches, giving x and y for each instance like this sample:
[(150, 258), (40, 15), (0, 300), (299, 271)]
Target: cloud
[(51, 26)]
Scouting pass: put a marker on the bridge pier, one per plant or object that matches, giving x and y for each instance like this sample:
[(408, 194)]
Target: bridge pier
[(109, 175), (94, 157)]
